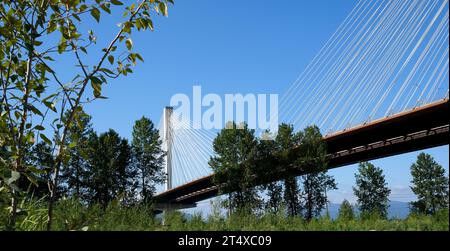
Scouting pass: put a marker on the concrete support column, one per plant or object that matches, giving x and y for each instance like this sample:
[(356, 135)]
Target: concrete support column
[(168, 111)]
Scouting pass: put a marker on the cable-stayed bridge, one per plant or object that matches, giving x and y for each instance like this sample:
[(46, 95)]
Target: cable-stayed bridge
[(378, 87)]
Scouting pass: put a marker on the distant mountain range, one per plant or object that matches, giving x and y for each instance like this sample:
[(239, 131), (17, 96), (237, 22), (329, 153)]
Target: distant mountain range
[(397, 210)]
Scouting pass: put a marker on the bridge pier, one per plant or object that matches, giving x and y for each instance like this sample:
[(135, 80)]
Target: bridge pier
[(166, 208), (163, 207)]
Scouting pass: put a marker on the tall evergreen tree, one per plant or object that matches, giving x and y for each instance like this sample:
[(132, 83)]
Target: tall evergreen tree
[(316, 182), (275, 197), (109, 161), (75, 170), (314, 197), (235, 151), (267, 168), (42, 159), (346, 212), (371, 189), (148, 157), (429, 184), (285, 140)]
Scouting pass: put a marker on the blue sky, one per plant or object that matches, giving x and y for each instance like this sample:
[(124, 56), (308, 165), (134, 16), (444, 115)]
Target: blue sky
[(224, 46), (252, 46)]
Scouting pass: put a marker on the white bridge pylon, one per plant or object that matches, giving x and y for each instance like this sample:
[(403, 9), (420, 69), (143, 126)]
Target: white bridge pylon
[(187, 148), (168, 111)]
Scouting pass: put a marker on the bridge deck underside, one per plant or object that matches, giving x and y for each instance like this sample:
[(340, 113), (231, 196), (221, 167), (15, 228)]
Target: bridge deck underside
[(424, 127)]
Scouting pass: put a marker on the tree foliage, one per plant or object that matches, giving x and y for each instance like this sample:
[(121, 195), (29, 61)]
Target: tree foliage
[(315, 182), (109, 159), (274, 189), (429, 184), (76, 170), (346, 212), (242, 163), (233, 164), (315, 187), (371, 189), (285, 141), (148, 157)]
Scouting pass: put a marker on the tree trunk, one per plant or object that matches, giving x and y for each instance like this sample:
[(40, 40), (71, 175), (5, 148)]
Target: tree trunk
[(12, 219), (51, 201)]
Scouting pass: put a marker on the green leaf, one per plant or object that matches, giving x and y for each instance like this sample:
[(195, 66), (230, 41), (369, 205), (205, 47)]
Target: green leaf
[(32, 179), (96, 14), (95, 80), (129, 43), (51, 27), (62, 46), (105, 7), (116, 2), (76, 17), (39, 128), (45, 139), (14, 176), (35, 170), (51, 96), (82, 8), (48, 58), (50, 105), (17, 115), (35, 110), (30, 138), (83, 49), (73, 144), (127, 27), (96, 84), (139, 57), (163, 8), (111, 59), (150, 23), (106, 70)]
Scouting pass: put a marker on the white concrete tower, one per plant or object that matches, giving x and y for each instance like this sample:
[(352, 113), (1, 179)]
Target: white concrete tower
[(168, 111)]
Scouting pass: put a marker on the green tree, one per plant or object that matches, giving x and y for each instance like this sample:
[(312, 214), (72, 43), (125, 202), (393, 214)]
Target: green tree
[(148, 157), (234, 167), (267, 167), (275, 196), (42, 159), (75, 170), (34, 34), (429, 184), (109, 167), (316, 182), (371, 190), (285, 140), (314, 197), (346, 212)]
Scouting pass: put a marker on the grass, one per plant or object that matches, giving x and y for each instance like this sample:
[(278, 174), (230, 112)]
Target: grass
[(72, 215), (271, 222)]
